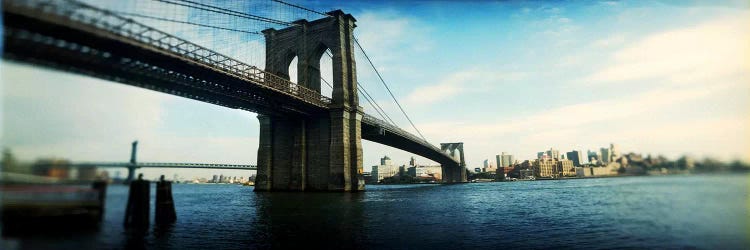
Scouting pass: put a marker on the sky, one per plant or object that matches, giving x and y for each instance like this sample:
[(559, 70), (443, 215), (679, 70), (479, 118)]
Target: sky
[(654, 77)]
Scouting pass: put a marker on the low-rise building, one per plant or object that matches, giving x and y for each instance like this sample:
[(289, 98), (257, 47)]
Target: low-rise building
[(565, 168)]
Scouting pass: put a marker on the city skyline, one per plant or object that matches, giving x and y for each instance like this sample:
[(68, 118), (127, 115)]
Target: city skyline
[(575, 76)]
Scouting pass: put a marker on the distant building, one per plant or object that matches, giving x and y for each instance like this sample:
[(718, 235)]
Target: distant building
[(489, 167), (525, 173), (606, 156), (608, 170), (56, 168), (594, 156), (576, 157), (565, 168), (385, 169), (412, 161), (551, 168), (541, 155), (386, 160), (429, 171), (553, 153), (504, 160)]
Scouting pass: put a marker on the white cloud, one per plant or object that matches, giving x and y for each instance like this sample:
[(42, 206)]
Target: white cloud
[(610, 41), (455, 84), (385, 36), (704, 52)]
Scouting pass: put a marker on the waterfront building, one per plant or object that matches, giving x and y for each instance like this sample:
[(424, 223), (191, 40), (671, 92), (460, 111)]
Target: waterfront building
[(608, 170), (385, 169), (429, 171), (525, 173), (552, 168), (544, 167), (412, 171), (565, 168)]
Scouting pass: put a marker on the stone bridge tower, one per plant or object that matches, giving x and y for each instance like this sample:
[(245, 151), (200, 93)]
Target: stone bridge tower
[(323, 151), (453, 174)]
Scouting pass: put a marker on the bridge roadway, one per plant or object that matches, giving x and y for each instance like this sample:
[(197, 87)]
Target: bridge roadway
[(79, 38)]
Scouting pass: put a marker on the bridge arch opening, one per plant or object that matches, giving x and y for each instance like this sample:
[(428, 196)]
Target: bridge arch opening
[(292, 70), (326, 73)]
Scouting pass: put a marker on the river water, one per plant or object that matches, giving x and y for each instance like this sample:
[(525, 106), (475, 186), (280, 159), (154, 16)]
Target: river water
[(704, 212)]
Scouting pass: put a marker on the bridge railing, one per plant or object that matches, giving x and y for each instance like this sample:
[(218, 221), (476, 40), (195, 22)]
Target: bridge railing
[(108, 23)]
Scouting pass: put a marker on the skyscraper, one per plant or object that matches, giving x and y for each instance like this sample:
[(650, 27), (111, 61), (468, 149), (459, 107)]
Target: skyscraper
[(540, 155), (553, 153), (576, 157), (507, 159), (606, 155)]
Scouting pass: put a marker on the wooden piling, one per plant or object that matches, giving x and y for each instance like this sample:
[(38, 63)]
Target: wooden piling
[(137, 210), (101, 186), (165, 212)]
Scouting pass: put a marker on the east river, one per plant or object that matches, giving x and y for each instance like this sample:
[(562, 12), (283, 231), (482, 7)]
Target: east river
[(700, 211)]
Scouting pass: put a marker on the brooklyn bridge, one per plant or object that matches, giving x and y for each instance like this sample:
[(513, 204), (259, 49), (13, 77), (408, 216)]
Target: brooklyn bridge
[(308, 141)]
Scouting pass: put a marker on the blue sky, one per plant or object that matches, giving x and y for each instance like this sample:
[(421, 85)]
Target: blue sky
[(659, 77)]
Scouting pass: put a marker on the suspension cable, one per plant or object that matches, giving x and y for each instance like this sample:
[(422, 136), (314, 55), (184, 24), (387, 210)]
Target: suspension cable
[(382, 115), (368, 97), (386, 87), (224, 11), (184, 22), (301, 7)]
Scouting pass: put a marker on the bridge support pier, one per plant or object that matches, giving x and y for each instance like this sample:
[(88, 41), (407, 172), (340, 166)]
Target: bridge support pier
[(131, 174), (310, 154)]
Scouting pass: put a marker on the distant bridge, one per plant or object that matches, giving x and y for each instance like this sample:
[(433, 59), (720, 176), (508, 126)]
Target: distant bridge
[(160, 165)]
